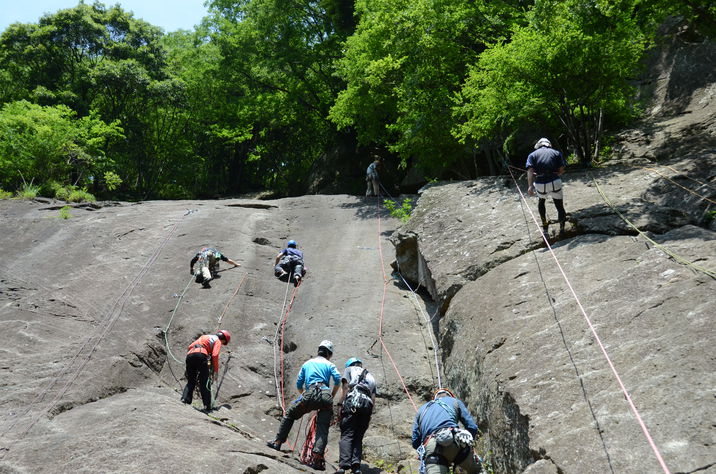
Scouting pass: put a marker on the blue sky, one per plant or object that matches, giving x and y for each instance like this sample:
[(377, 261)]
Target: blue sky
[(170, 15)]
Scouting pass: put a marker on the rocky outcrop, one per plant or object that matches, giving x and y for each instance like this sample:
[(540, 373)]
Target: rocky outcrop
[(525, 329), (517, 347)]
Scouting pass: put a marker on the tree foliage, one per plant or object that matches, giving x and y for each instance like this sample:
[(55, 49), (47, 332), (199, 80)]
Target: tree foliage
[(49, 143), (568, 69), (264, 94), (403, 67)]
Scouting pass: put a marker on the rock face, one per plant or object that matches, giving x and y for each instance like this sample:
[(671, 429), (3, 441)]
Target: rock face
[(97, 312), (514, 341), (533, 339)]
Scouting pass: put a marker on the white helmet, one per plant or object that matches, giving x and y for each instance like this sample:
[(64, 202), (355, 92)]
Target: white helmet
[(542, 142), (327, 345)]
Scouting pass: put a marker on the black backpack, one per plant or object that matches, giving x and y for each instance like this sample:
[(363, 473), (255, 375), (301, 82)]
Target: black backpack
[(359, 400)]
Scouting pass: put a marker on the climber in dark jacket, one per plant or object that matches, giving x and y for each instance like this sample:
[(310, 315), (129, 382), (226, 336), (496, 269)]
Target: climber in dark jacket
[(289, 264), (545, 167)]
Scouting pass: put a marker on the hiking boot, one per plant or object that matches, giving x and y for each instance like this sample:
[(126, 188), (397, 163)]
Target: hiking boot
[(317, 462), (355, 468), (184, 400), (206, 284), (274, 445)]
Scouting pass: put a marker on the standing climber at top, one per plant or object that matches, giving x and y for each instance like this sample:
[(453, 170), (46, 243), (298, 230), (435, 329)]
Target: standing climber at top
[(436, 432), (313, 384), (208, 268), (202, 359), (544, 166), (372, 178), (289, 264)]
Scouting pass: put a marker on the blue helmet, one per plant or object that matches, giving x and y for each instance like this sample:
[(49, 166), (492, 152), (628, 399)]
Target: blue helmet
[(291, 243), (353, 360)]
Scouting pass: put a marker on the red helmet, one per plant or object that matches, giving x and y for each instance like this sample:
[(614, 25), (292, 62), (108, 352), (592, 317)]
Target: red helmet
[(226, 335)]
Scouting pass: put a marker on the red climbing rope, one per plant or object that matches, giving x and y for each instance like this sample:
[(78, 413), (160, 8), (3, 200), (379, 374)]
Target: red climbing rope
[(386, 281), (228, 302), (306, 453)]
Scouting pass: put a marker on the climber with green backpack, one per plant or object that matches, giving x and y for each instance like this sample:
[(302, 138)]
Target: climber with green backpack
[(438, 437), (356, 407)]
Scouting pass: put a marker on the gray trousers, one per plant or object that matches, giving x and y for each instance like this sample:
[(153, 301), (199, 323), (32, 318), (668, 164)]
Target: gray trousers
[(450, 452), (314, 398)]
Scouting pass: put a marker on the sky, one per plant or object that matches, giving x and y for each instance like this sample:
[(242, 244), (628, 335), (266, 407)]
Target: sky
[(170, 15)]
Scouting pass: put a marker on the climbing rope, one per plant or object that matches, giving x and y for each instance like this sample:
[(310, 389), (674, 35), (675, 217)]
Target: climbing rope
[(165, 331), (386, 281), (701, 183), (625, 392), (306, 453), (228, 302), (661, 247), (428, 322), (278, 349)]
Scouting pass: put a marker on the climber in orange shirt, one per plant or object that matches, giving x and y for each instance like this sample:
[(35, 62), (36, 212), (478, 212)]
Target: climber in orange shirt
[(203, 357)]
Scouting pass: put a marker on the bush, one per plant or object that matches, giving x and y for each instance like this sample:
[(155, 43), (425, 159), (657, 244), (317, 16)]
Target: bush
[(65, 212), (80, 195), (28, 191), (5, 194), (402, 212)]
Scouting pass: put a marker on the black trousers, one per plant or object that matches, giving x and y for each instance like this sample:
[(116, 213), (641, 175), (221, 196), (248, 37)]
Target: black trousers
[(197, 369), (350, 446), (558, 203)]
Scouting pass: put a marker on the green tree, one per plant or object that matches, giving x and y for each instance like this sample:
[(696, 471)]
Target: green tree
[(403, 67), (46, 143), (568, 69), (277, 63), (51, 61)]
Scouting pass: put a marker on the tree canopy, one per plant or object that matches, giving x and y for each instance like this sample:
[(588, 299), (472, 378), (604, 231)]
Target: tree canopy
[(270, 94)]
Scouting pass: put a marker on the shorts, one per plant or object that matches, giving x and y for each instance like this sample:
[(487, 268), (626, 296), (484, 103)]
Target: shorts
[(552, 189)]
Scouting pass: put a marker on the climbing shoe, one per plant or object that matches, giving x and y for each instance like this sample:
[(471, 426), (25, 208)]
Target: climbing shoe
[(274, 445)]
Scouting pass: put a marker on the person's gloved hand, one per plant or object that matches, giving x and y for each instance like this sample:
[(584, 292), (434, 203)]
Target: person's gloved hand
[(463, 438)]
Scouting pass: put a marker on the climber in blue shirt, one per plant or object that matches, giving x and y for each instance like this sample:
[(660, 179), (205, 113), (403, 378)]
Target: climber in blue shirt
[(438, 437), (313, 384)]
